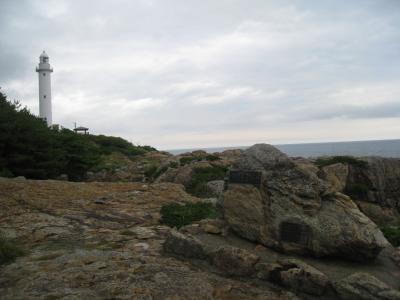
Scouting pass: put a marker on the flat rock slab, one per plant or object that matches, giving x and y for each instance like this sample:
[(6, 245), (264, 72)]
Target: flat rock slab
[(78, 249), (383, 268)]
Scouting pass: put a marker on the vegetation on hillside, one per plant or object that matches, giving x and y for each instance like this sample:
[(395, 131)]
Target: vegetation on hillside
[(9, 250), (111, 144), (202, 175), (28, 147), (177, 215), (322, 162), (392, 234)]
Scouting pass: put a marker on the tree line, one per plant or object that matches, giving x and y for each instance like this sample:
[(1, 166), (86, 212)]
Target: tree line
[(29, 148)]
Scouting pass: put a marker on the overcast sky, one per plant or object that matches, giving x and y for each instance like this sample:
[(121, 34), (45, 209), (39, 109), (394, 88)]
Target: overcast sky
[(186, 73)]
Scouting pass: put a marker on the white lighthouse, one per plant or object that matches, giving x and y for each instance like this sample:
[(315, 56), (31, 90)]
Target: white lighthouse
[(44, 70)]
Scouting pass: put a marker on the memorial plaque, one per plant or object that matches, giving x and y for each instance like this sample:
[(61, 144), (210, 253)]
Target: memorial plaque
[(245, 177), (295, 233)]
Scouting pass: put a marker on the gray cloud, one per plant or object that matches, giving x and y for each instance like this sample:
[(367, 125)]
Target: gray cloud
[(188, 73)]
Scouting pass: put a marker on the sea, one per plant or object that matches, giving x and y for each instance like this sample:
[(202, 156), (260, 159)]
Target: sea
[(384, 148)]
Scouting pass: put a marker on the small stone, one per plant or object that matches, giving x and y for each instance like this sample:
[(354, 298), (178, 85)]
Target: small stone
[(100, 200), (63, 177), (259, 248), (141, 247), (209, 228)]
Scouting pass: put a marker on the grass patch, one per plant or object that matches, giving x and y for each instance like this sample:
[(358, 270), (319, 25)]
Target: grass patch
[(322, 162), (392, 234), (9, 250), (198, 184), (177, 215)]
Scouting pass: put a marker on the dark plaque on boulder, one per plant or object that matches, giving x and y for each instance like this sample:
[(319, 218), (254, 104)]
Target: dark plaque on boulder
[(295, 233), (245, 177)]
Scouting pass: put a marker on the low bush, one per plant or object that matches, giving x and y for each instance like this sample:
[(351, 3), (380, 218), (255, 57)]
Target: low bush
[(111, 144), (150, 170), (356, 189), (153, 171), (9, 250), (392, 234), (174, 164), (322, 162), (212, 157), (177, 215), (187, 160), (201, 175), (160, 171)]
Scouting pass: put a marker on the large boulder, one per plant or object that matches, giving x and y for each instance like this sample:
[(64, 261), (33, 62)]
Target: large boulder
[(180, 175), (295, 275), (336, 175), (184, 245), (396, 256), (273, 201), (234, 261), (363, 286), (378, 182), (215, 187)]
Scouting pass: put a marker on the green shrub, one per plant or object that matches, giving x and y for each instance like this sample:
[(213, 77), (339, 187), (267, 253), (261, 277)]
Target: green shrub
[(177, 215), (6, 173), (160, 171), (174, 164), (201, 175), (392, 234), (153, 171), (322, 162), (212, 157), (357, 189), (110, 144), (150, 170), (187, 160), (9, 251)]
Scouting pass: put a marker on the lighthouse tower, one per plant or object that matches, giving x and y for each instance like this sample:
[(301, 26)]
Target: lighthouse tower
[(44, 70)]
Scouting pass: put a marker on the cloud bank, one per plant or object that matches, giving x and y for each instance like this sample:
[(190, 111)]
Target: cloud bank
[(185, 73)]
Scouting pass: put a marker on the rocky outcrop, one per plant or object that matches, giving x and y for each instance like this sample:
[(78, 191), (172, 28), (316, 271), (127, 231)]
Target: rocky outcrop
[(78, 247), (117, 167), (336, 175), (381, 215), (362, 286), (377, 183), (181, 175), (374, 185), (290, 209)]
